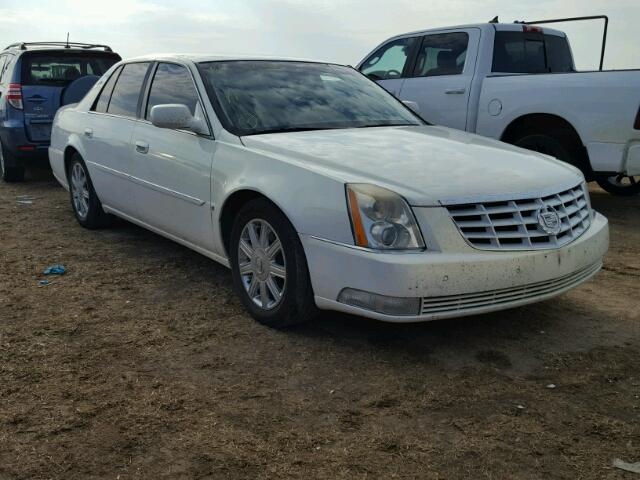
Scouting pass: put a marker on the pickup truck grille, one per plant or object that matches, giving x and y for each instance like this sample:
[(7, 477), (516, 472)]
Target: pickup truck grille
[(517, 224)]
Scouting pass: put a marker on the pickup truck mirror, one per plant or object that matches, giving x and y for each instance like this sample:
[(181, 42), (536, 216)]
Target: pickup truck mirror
[(412, 105), (177, 116)]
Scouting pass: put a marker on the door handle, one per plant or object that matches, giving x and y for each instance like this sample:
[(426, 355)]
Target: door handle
[(88, 132), (455, 91), (142, 147)]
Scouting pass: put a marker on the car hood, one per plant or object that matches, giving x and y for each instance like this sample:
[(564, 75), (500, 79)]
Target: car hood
[(427, 165)]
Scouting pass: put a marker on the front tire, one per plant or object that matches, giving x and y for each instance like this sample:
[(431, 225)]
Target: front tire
[(9, 174), (269, 267), (621, 185), (84, 200)]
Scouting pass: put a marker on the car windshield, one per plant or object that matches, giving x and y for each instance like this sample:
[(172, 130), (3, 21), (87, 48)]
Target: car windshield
[(255, 97)]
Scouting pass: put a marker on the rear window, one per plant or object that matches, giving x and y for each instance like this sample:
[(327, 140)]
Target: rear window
[(63, 68), (520, 52)]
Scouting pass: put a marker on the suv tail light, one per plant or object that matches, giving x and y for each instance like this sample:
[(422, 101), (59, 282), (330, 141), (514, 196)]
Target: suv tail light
[(14, 95), (636, 124)]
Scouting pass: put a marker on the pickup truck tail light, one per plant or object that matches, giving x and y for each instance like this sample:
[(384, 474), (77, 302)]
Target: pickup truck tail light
[(636, 124), (14, 95)]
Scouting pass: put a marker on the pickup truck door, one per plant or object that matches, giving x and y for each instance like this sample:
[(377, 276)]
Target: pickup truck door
[(171, 169), (388, 65), (440, 78)]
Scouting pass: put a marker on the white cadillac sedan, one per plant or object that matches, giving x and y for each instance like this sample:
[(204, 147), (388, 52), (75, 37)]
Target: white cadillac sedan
[(322, 191)]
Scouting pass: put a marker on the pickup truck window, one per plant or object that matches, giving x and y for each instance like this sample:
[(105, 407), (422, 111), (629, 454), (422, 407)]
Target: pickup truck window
[(520, 52), (442, 54), (389, 61)]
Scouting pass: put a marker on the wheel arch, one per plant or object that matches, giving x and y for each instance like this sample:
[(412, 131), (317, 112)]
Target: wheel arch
[(69, 152), (555, 126), (233, 203)]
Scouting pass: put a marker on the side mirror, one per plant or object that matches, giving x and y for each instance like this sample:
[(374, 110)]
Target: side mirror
[(412, 105), (177, 116)]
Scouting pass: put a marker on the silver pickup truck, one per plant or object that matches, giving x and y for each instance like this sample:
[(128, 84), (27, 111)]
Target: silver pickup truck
[(517, 82)]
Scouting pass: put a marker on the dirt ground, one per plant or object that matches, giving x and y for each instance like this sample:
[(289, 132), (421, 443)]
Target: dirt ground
[(141, 363)]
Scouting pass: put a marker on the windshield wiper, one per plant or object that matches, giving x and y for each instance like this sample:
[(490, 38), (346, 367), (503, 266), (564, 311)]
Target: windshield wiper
[(289, 129)]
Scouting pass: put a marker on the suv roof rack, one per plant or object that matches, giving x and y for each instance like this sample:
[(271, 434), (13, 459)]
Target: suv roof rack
[(83, 46)]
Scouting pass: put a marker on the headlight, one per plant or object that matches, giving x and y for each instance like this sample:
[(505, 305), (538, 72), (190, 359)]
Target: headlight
[(382, 219)]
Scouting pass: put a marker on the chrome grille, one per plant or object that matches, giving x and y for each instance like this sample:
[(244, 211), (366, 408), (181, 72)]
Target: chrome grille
[(513, 295), (514, 224)]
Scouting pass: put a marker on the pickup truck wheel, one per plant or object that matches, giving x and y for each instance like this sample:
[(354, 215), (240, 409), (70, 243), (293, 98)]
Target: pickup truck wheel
[(9, 174), (622, 185), (269, 267), (84, 200), (546, 144)]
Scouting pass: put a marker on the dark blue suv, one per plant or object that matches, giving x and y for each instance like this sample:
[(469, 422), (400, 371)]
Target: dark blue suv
[(35, 80)]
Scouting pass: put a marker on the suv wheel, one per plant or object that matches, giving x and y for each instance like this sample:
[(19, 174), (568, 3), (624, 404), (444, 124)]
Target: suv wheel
[(9, 174), (84, 201), (622, 185), (269, 267)]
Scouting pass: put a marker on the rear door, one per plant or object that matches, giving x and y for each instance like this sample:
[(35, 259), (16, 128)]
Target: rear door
[(44, 76), (389, 64), (441, 76), (107, 136), (172, 168)]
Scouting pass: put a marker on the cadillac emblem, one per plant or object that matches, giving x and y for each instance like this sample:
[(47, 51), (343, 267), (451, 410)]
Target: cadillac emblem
[(549, 220)]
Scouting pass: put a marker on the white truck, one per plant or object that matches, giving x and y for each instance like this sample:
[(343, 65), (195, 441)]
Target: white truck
[(518, 83)]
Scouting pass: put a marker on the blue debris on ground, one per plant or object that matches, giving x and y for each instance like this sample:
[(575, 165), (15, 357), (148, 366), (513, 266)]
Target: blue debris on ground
[(54, 270)]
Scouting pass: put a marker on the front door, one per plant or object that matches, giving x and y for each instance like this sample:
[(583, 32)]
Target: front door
[(388, 64), (441, 77), (171, 169)]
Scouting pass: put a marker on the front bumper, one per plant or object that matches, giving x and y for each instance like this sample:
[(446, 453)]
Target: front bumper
[(452, 278)]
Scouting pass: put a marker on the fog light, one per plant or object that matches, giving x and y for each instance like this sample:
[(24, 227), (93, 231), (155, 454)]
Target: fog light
[(380, 303)]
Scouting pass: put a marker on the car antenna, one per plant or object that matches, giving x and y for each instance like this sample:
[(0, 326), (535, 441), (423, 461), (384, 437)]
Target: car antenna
[(67, 46), (494, 20)]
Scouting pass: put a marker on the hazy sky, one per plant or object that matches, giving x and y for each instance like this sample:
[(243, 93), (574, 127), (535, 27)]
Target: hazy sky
[(339, 31)]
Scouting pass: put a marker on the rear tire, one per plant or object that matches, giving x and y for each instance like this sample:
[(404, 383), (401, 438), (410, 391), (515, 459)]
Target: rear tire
[(547, 145), (620, 185), (9, 174), (84, 200), (269, 267)]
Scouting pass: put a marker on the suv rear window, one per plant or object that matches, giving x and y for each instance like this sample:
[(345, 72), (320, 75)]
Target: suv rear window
[(520, 52), (54, 68)]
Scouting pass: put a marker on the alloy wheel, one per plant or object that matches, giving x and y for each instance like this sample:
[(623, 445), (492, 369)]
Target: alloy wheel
[(80, 190), (262, 264)]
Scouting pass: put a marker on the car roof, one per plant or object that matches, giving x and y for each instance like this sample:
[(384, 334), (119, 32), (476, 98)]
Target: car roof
[(199, 57)]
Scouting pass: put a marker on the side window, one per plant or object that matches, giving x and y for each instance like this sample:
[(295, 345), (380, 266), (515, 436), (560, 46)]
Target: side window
[(3, 59), (126, 93), (388, 61), (103, 99), (442, 54), (4, 73), (172, 84)]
